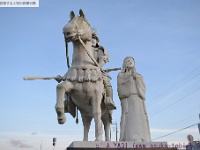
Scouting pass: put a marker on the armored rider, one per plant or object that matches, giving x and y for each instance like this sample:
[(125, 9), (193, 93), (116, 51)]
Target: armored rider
[(102, 57)]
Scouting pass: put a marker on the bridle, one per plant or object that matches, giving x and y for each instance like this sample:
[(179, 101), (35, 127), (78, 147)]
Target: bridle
[(78, 34)]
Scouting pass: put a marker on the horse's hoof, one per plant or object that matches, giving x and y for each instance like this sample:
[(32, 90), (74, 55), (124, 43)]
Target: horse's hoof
[(98, 139), (107, 139), (61, 120)]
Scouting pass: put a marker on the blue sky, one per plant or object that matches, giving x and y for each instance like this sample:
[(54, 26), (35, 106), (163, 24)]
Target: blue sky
[(162, 35)]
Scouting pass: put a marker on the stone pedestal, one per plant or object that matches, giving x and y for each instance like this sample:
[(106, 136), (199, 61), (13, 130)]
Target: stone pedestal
[(112, 145)]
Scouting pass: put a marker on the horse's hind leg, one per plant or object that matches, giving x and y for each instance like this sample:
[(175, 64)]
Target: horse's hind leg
[(97, 116), (86, 124), (60, 109), (106, 119)]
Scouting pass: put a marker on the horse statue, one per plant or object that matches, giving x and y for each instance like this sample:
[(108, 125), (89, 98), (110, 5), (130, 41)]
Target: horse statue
[(83, 82)]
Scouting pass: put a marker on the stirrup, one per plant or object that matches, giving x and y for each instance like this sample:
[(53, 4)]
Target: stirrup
[(109, 103)]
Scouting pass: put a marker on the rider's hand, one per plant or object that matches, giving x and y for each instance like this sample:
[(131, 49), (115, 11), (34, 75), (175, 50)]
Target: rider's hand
[(58, 78)]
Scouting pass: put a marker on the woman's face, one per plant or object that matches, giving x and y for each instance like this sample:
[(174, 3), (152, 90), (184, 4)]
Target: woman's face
[(129, 63)]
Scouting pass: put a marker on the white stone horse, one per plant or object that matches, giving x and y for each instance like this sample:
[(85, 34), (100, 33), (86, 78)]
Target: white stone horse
[(84, 80)]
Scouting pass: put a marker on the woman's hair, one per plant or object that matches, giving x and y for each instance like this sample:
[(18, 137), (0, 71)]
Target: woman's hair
[(124, 64)]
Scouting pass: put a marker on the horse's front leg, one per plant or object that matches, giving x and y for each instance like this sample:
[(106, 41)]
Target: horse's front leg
[(107, 131), (107, 119), (97, 115), (86, 124), (61, 88)]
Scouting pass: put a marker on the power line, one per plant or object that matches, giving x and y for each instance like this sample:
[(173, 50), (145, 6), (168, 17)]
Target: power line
[(175, 131), (186, 92), (178, 122), (188, 64), (195, 87), (178, 84)]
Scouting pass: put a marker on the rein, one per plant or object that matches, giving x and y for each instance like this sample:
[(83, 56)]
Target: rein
[(95, 62), (66, 48), (85, 48), (78, 34)]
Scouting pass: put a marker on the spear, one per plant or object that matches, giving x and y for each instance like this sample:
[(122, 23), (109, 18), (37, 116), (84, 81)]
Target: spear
[(41, 77), (58, 78)]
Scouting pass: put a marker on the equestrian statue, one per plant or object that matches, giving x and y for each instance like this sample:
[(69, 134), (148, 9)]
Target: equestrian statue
[(86, 86)]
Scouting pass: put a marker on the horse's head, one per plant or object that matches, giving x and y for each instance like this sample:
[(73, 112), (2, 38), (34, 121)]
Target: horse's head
[(77, 26)]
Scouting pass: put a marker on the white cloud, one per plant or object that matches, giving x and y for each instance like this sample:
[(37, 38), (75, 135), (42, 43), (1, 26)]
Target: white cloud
[(20, 143), (34, 133)]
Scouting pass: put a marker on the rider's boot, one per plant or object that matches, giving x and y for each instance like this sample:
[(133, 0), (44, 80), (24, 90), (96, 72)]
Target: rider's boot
[(109, 103)]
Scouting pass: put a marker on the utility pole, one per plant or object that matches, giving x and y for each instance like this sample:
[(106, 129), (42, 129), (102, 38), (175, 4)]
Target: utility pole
[(199, 124), (193, 145), (54, 143), (116, 129), (41, 145)]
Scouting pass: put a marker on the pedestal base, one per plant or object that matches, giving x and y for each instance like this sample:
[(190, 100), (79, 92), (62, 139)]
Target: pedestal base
[(112, 145)]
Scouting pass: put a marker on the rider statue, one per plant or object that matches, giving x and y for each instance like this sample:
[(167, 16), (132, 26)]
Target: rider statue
[(102, 57), (86, 86)]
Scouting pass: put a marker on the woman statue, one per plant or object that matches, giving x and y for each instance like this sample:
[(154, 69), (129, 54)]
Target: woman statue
[(131, 88)]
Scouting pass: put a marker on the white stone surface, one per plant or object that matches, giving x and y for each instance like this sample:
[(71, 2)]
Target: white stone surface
[(84, 81), (119, 144), (131, 88)]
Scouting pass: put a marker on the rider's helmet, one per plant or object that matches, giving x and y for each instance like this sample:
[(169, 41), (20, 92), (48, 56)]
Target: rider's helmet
[(94, 35)]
